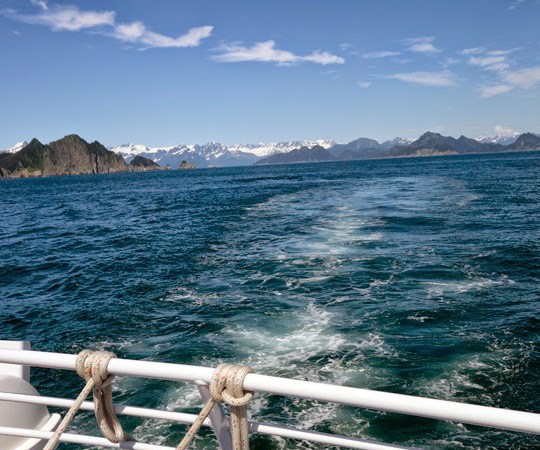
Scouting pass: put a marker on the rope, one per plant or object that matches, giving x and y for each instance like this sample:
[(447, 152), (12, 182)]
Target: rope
[(226, 385), (92, 366)]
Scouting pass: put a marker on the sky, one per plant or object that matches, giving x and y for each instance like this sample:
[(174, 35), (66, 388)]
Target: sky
[(166, 72)]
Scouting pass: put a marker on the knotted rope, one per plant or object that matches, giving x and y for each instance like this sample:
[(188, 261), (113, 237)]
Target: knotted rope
[(92, 366), (226, 385)]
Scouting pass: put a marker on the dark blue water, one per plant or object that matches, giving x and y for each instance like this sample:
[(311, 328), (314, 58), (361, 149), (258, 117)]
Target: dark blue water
[(418, 276)]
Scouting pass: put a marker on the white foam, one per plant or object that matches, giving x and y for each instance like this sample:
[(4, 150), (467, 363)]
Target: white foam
[(438, 288)]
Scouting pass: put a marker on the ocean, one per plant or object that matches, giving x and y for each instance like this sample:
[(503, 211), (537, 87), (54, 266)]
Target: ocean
[(417, 276)]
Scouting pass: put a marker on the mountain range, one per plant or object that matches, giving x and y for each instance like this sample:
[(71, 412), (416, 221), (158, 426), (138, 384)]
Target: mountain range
[(73, 155), (220, 155), (213, 153), (429, 144)]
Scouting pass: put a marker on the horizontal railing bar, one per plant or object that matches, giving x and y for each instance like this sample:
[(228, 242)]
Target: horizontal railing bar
[(133, 411), (254, 427), (399, 403), (82, 439), (334, 440)]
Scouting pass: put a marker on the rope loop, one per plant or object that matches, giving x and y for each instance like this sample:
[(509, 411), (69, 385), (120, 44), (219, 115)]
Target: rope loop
[(227, 385), (92, 366)]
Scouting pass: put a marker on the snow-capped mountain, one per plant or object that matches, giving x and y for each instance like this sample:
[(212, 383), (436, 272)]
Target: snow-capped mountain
[(503, 139), (213, 153), (210, 154), (387, 145), (501, 135), (263, 150), (18, 146)]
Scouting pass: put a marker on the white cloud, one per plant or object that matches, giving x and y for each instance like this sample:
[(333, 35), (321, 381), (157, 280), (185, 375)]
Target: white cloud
[(348, 48), (525, 78), (516, 3), (267, 52), (503, 52), (497, 89), (41, 3), (71, 18), (323, 58), (381, 54), (450, 61), (439, 79), (363, 84), (262, 51), (472, 51), (493, 63), (136, 32), (65, 18), (503, 131), (422, 45)]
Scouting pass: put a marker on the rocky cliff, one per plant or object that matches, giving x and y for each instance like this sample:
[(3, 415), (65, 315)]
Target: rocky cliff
[(70, 155)]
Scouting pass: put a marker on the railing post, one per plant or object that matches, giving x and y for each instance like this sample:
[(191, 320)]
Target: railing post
[(15, 370), (217, 418)]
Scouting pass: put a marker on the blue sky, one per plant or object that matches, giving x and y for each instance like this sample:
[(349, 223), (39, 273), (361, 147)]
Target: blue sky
[(170, 72)]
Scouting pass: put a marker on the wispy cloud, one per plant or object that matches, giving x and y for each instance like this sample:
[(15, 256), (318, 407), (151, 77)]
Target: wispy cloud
[(516, 3), (507, 78), (437, 79), (524, 78), (422, 45), (136, 32), (472, 51), (363, 84), (503, 52), (71, 18), (267, 52), (381, 54), (492, 63), (41, 3), (496, 89), (348, 48), (64, 18), (450, 61)]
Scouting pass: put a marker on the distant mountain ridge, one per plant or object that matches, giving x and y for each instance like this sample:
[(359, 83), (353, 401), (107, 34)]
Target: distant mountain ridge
[(213, 153), (299, 155), (429, 144)]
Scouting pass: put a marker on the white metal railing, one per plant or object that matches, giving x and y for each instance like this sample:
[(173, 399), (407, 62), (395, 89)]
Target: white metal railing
[(364, 398)]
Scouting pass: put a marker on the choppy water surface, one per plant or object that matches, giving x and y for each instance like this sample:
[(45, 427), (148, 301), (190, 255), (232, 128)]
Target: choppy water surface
[(418, 276)]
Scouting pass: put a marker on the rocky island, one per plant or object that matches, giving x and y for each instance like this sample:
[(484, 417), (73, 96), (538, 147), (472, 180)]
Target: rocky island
[(142, 164), (185, 165), (70, 155)]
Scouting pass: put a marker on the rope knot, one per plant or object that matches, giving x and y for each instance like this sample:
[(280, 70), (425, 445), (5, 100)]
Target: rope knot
[(227, 385), (94, 364)]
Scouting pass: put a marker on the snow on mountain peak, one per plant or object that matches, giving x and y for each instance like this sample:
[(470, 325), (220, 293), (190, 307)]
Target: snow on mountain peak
[(130, 149), (17, 147), (263, 150), (502, 135), (213, 151)]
